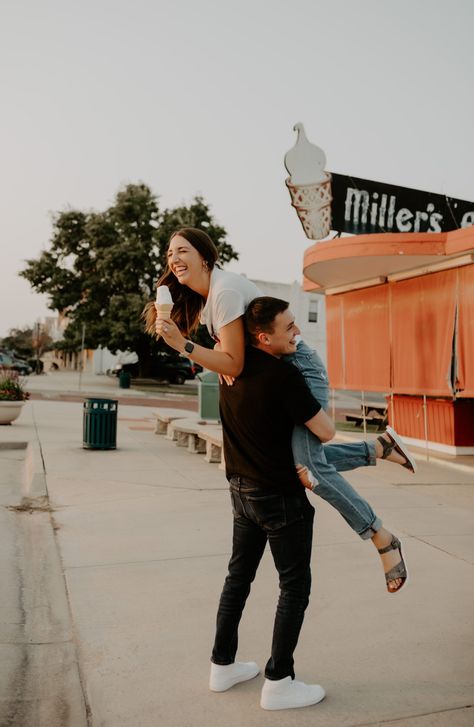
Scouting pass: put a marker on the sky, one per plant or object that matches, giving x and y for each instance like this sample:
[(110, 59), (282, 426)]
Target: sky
[(201, 96)]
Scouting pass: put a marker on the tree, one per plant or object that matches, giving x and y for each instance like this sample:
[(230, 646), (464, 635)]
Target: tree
[(19, 340), (102, 267)]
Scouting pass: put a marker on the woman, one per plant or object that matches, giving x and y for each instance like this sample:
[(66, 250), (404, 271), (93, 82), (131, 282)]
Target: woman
[(203, 293)]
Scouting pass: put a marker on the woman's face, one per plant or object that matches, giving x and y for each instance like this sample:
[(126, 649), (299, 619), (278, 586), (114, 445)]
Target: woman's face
[(185, 261)]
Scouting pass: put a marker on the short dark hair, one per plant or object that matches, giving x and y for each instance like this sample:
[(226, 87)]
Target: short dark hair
[(260, 316)]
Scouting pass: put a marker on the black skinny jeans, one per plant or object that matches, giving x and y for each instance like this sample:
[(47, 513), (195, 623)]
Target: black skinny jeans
[(287, 523)]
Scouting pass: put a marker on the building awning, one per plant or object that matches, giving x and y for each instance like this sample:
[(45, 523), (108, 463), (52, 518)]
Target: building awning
[(361, 261)]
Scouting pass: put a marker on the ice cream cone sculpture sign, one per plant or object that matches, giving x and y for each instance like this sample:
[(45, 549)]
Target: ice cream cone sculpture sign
[(309, 185)]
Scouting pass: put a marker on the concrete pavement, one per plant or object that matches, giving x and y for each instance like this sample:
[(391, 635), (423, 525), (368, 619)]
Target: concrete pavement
[(117, 630)]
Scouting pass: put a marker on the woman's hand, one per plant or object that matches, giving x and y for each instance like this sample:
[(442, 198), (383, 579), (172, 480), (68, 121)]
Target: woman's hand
[(169, 331)]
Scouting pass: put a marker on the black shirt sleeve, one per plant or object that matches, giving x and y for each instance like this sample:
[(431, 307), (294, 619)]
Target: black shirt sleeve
[(297, 399)]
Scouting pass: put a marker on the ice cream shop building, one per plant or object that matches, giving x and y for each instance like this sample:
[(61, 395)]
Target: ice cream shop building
[(399, 296)]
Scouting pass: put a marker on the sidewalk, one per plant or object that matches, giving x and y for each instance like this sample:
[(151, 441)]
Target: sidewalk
[(143, 537), (71, 386)]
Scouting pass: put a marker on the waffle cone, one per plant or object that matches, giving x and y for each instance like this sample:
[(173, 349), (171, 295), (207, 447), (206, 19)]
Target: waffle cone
[(163, 310)]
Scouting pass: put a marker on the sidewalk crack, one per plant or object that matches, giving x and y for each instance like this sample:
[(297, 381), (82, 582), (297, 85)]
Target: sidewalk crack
[(402, 720)]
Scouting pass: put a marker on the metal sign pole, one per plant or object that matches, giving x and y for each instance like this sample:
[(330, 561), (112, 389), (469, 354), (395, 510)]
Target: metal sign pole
[(425, 417)]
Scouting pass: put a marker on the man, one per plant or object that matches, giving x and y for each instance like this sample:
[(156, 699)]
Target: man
[(258, 415)]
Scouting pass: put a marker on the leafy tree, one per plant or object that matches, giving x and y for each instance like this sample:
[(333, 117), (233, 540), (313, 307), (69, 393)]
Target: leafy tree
[(19, 340), (102, 267)]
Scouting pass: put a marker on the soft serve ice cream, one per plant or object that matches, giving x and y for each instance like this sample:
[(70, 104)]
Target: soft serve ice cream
[(164, 302)]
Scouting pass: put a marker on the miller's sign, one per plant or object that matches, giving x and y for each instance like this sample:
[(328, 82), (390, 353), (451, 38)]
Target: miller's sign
[(362, 206)]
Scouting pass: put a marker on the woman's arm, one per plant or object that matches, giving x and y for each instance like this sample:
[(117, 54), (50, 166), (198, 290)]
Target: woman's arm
[(228, 360)]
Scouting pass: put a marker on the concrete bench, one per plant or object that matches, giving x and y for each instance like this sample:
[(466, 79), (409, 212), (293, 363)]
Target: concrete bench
[(187, 433), (165, 416), (199, 437), (212, 435)]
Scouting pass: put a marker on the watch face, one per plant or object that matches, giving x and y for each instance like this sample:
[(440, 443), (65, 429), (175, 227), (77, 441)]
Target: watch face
[(188, 347)]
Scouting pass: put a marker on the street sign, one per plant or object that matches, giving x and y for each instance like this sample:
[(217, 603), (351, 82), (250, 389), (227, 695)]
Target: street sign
[(362, 206)]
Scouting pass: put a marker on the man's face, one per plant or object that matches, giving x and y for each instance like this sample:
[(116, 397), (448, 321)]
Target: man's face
[(282, 340)]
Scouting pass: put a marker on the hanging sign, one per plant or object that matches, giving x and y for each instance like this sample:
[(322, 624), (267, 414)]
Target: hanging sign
[(325, 201), (362, 206)]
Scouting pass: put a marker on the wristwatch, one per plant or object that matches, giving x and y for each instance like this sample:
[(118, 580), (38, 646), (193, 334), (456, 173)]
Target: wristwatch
[(188, 348)]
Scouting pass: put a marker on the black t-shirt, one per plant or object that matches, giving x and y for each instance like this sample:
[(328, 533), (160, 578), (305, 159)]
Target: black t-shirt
[(258, 415)]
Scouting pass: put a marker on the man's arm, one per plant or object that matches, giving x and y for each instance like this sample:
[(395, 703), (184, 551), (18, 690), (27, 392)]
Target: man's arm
[(301, 404), (322, 426)]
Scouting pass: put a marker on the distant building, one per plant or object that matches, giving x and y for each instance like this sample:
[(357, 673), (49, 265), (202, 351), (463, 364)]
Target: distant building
[(55, 326)]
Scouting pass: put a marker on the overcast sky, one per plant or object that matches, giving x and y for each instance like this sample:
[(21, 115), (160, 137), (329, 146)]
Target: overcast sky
[(200, 96)]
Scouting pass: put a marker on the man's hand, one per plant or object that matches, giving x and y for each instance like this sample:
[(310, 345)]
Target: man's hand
[(305, 476)]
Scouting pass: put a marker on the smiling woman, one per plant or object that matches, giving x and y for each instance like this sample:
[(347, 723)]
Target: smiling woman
[(202, 292)]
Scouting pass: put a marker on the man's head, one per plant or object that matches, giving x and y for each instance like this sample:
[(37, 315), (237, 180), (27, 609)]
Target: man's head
[(271, 326)]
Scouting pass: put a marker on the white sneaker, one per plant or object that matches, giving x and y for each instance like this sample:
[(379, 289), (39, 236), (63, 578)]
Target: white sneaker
[(224, 677), (288, 693)]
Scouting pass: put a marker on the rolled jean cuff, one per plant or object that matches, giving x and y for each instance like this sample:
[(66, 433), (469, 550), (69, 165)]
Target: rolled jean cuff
[(371, 456), (370, 532)]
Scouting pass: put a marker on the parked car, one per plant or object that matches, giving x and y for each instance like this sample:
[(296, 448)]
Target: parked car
[(174, 368), (17, 364), (166, 366)]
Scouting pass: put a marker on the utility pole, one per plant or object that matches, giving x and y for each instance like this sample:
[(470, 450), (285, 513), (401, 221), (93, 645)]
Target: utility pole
[(37, 330), (81, 362)]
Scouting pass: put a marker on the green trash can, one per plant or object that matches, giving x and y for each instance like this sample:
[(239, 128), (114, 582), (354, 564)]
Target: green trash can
[(124, 380), (99, 426), (209, 396)]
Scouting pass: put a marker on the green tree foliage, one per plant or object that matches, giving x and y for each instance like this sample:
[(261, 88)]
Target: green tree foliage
[(19, 340), (102, 267)]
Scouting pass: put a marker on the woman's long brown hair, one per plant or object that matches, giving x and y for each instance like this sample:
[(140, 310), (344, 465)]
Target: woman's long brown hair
[(187, 304)]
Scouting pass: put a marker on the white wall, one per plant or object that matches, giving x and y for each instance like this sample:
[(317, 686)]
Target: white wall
[(314, 333)]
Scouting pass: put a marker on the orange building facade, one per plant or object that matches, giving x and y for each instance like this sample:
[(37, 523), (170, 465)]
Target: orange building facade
[(400, 320)]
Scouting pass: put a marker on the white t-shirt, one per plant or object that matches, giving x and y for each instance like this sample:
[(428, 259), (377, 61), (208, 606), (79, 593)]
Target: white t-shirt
[(229, 296)]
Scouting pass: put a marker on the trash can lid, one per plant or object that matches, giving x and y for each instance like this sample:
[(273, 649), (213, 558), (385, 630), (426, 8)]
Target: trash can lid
[(209, 377), (94, 402)]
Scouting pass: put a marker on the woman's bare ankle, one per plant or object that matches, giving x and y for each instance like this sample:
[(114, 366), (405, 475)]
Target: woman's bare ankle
[(381, 538)]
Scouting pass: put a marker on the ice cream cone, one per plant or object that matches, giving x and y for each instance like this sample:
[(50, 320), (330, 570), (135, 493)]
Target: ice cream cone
[(313, 206), (163, 310)]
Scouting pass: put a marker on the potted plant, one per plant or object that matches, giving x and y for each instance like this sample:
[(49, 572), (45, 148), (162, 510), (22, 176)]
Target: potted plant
[(12, 396)]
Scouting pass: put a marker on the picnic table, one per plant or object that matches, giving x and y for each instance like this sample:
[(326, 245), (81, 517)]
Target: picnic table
[(374, 412)]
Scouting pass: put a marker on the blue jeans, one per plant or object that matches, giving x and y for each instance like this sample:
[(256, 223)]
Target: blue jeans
[(286, 521), (325, 462)]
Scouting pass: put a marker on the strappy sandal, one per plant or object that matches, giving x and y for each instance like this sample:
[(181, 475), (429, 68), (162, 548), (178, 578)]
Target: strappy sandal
[(399, 570), (396, 443)]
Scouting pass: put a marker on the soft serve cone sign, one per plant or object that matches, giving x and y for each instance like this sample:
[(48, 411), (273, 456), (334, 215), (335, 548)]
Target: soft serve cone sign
[(309, 185)]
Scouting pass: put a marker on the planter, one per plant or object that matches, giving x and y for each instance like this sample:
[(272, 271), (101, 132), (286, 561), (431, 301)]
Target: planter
[(9, 411)]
